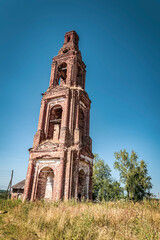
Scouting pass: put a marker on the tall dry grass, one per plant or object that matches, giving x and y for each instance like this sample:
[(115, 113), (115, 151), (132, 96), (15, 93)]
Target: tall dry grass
[(78, 221)]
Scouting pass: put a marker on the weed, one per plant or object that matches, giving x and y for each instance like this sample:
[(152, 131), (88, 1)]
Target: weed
[(80, 220)]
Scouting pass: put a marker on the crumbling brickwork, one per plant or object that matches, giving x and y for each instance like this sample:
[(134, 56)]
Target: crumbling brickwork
[(61, 159)]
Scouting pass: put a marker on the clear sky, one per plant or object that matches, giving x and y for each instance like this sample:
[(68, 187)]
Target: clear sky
[(120, 45)]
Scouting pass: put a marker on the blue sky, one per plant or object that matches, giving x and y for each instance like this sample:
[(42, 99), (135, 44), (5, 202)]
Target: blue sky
[(120, 45)]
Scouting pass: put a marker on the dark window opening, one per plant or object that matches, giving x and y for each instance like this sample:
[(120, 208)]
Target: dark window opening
[(81, 124), (65, 50), (68, 39), (17, 190), (62, 73), (80, 77), (55, 123), (79, 73), (79, 197)]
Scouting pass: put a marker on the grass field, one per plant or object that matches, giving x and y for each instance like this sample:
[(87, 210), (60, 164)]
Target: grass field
[(78, 221)]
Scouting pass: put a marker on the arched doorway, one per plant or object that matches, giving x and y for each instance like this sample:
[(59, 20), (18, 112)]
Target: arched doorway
[(82, 185), (45, 184)]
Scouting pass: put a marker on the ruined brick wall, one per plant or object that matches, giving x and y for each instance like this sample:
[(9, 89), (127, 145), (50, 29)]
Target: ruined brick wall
[(62, 144)]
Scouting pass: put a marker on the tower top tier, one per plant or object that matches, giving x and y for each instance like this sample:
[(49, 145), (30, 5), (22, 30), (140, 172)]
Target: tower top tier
[(68, 69), (71, 40), (71, 37)]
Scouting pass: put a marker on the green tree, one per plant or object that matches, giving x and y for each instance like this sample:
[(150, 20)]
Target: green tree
[(103, 185), (116, 192), (133, 174)]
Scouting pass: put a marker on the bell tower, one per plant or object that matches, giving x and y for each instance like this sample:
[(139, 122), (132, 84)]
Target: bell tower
[(61, 159)]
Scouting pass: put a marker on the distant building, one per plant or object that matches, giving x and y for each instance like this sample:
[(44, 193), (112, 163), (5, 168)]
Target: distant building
[(18, 190), (61, 159)]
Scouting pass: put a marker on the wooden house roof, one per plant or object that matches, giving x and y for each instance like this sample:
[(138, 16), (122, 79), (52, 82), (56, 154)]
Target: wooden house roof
[(19, 185)]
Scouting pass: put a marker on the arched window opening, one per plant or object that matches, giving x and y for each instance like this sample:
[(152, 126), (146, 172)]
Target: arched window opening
[(45, 184), (62, 74), (68, 39), (82, 185), (55, 123), (81, 125)]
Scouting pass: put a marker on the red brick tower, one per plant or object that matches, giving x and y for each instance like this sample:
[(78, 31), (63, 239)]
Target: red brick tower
[(61, 160)]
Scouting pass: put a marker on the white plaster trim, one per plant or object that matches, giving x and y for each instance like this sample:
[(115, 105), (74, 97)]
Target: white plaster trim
[(55, 101), (44, 163), (82, 104), (48, 161), (86, 158)]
